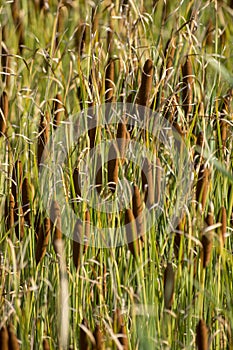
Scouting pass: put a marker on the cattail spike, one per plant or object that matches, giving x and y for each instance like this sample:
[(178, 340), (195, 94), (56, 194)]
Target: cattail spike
[(202, 185), (83, 337), (202, 336), (43, 137), (146, 84), (138, 212), (57, 110), (113, 168), (98, 338), (169, 282), (55, 223), (109, 81), (46, 345), (13, 342), (147, 183), (4, 338), (131, 233), (43, 240)]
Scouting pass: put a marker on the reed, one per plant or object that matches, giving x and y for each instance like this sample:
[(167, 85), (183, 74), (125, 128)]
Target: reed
[(144, 92), (12, 342), (148, 183), (4, 338), (113, 168), (109, 81), (43, 137), (42, 240), (169, 284), (55, 223), (202, 335), (187, 93), (131, 233), (18, 22), (3, 113)]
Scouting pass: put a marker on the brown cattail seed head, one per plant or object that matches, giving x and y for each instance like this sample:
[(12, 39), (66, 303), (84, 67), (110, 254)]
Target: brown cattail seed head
[(77, 242), (202, 185), (98, 338), (26, 198), (3, 112), (58, 108), (138, 212), (202, 336), (169, 282), (98, 178), (43, 240), (13, 342), (109, 81), (113, 167), (4, 338), (46, 345), (77, 182), (147, 183), (121, 140), (83, 338), (43, 137), (146, 84), (131, 233), (9, 212)]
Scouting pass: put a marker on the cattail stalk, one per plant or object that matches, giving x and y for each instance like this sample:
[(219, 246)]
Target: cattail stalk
[(3, 113), (146, 84), (169, 283), (187, 94), (202, 336), (43, 240)]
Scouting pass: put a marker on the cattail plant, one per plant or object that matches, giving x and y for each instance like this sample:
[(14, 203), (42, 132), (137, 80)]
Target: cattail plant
[(77, 183), (208, 40), (4, 338), (223, 128), (13, 342), (144, 92), (19, 221), (17, 179), (9, 212), (222, 217), (113, 168), (138, 211), (62, 16), (180, 231), (98, 177), (80, 239), (207, 240), (147, 183), (202, 336), (26, 198), (46, 345), (109, 81), (55, 222), (3, 113), (43, 137), (169, 283), (42, 240), (98, 338), (187, 94), (131, 233), (57, 110), (81, 37), (120, 328), (198, 150), (122, 140), (83, 337), (202, 185)]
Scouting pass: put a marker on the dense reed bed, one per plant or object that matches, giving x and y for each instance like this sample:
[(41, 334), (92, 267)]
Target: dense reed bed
[(165, 279)]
